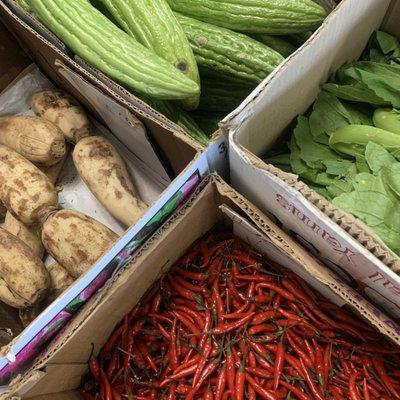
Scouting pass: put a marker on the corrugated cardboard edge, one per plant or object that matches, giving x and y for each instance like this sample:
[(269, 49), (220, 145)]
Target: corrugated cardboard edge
[(353, 226), (136, 105), (276, 235)]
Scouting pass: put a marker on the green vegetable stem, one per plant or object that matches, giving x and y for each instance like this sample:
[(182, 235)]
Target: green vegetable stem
[(352, 139), (387, 119)]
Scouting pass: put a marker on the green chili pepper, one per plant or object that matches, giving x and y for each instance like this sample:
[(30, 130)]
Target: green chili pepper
[(352, 139), (387, 119)]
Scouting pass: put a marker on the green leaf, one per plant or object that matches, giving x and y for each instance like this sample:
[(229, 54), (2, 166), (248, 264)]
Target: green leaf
[(338, 187), (382, 79), (340, 168), (377, 157), (371, 202), (311, 152), (299, 167), (384, 48), (328, 115), (355, 92)]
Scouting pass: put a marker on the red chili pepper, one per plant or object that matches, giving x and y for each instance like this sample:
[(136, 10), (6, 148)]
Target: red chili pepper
[(262, 317), (326, 365), (172, 391), (353, 391), (181, 290), (194, 314), (380, 369), (205, 352), (274, 287), (289, 315), (112, 340), (87, 396), (278, 366), (260, 372), (194, 276), (208, 395), (173, 353), (265, 394), (239, 383), (193, 288), (221, 383), (116, 394), (94, 368), (313, 388), (208, 370), (295, 390), (184, 373), (105, 384), (227, 395), (225, 328), (230, 369), (218, 302), (319, 364), (301, 353), (187, 322), (365, 390)]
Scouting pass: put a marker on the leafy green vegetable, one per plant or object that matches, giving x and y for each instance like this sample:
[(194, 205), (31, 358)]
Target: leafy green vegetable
[(329, 114), (311, 152), (366, 81), (384, 48), (339, 152), (375, 197)]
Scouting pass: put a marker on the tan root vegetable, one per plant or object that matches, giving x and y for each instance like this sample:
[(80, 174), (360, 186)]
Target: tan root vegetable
[(36, 139), (10, 298), (30, 234), (75, 240), (63, 110), (60, 278), (104, 171), (23, 272), (24, 189)]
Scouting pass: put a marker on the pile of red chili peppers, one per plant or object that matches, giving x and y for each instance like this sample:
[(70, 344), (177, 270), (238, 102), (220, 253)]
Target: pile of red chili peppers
[(225, 323)]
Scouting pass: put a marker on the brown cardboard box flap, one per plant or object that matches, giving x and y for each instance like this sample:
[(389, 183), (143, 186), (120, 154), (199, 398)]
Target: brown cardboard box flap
[(213, 203), (353, 226)]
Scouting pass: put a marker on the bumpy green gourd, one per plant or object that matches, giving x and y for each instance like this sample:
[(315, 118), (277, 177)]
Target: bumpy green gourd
[(273, 17), (229, 53), (24, 4), (96, 39), (180, 117), (220, 95), (280, 45), (153, 24)]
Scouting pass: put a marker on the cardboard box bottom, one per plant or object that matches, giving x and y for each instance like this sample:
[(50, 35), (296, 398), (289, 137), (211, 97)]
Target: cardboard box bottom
[(57, 374)]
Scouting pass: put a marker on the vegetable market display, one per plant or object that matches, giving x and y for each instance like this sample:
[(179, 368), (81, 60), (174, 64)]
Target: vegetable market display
[(226, 323), (32, 154), (163, 50), (347, 147)]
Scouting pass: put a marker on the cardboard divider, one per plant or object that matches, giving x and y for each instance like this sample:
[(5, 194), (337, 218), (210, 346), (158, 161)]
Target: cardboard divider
[(213, 203), (339, 239)]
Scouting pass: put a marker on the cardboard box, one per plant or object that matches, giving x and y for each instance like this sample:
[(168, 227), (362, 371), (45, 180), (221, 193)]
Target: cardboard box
[(45, 48), (337, 238), (164, 182), (59, 371)]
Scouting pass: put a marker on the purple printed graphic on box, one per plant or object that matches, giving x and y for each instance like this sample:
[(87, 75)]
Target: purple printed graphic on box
[(33, 349)]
